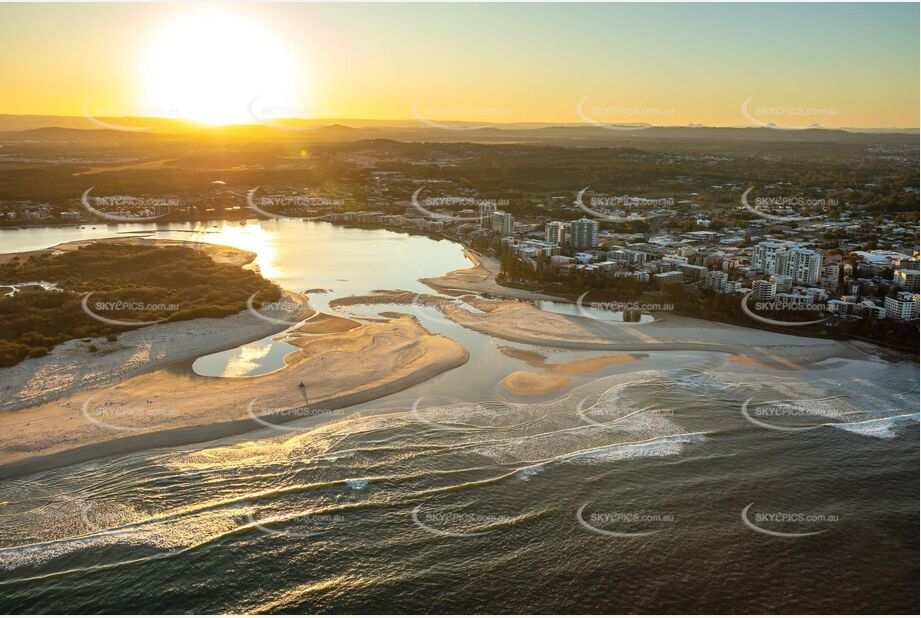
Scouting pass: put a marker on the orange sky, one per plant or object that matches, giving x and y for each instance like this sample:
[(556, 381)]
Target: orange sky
[(839, 65)]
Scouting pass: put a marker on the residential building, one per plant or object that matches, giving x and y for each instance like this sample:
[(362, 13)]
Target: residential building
[(830, 276), (764, 256), (804, 266), (903, 307), (692, 272), (716, 280), (584, 233), (906, 279), (487, 209), (784, 282), (764, 290), (555, 232), (503, 222), (670, 277)]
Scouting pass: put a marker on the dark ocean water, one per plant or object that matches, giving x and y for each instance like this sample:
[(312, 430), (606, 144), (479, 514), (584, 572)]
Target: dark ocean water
[(461, 507)]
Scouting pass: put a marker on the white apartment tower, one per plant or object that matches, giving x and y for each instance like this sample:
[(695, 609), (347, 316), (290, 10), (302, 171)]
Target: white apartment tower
[(764, 290), (555, 232), (774, 258), (503, 223)]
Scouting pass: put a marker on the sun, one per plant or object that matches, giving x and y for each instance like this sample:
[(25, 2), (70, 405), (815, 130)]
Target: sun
[(214, 66)]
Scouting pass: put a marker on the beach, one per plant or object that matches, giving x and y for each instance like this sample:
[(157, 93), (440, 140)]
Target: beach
[(172, 406), (140, 391), (90, 398)]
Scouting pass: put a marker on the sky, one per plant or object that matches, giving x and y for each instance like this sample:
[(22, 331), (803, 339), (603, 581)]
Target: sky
[(836, 65)]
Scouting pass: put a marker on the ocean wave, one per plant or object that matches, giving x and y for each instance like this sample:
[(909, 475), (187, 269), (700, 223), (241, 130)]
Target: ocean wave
[(657, 447), (529, 471), (883, 428)]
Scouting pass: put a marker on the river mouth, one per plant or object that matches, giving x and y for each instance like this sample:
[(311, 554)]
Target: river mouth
[(455, 477)]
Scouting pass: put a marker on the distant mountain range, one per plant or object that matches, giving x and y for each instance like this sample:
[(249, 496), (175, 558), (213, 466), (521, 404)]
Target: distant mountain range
[(10, 122)]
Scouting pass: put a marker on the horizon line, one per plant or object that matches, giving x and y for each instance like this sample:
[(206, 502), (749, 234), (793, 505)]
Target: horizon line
[(482, 125)]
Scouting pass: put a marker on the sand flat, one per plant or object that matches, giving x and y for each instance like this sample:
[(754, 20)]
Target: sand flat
[(336, 370), (578, 366), (522, 322), (527, 383)]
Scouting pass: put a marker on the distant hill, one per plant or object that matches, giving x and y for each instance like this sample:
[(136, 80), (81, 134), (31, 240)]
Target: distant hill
[(12, 122), (735, 141)]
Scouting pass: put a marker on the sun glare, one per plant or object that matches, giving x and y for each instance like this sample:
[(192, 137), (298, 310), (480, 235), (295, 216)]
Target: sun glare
[(213, 67)]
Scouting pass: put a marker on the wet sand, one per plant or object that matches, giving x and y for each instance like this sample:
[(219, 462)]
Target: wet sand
[(526, 383), (522, 322)]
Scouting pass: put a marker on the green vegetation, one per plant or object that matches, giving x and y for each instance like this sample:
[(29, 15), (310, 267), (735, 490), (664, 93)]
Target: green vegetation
[(129, 283)]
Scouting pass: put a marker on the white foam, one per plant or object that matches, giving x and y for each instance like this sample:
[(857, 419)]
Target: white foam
[(882, 428), (357, 483), (659, 447), (529, 471)]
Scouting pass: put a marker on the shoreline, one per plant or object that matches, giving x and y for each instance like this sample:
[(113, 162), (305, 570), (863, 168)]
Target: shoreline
[(45, 426), (369, 361), (195, 434), (481, 279), (172, 407), (521, 322)]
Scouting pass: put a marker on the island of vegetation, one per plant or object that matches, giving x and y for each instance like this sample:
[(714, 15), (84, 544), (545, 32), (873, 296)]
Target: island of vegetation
[(134, 285)]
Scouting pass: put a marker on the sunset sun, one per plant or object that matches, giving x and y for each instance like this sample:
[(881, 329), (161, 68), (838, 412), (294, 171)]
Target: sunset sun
[(212, 66)]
